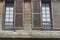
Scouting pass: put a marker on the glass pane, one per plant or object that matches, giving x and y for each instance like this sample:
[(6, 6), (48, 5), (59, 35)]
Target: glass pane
[(47, 5), (43, 11), (43, 8), (43, 5), (7, 12), (44, 19), (48, 19), (8, 27), (7, 8), (44, 15), (48, 23), (11, 16), (44, 24), (7, 15), (6, 20), (10, 23), (47, 8), (11, 13), (6, 23), (47, 11), (11, 8), (11, 20), (48, 15)]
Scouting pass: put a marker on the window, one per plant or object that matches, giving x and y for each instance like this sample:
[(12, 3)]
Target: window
[(13, 14), (9, 15), (41, 14), (46, 19)]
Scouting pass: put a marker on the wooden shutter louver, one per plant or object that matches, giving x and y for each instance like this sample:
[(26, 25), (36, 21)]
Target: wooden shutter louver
[(18, 13)]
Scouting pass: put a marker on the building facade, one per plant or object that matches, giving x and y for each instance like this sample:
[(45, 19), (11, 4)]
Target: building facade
[(30, 18)]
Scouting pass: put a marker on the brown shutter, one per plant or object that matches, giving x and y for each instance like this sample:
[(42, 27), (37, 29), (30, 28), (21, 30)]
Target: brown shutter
[(19, 7), (36, 6), (56, 14), (18, 15), (36, 19)]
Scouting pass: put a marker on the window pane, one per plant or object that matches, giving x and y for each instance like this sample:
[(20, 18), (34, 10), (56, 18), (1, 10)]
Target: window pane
[(7, 12), (7, 8), (7, 15), (11, 16), (43, 11), (48, 15), (43, 8), (43, 5), (47, 5), (44, 15), (11, 8), (6, 20), (11, 20), (47, 8), (47, 11), (44, 19), (48, 19)]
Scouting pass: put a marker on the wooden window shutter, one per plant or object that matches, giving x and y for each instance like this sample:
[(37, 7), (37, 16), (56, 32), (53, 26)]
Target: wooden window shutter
[(56, 14), (36, 11), (18, 15)]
